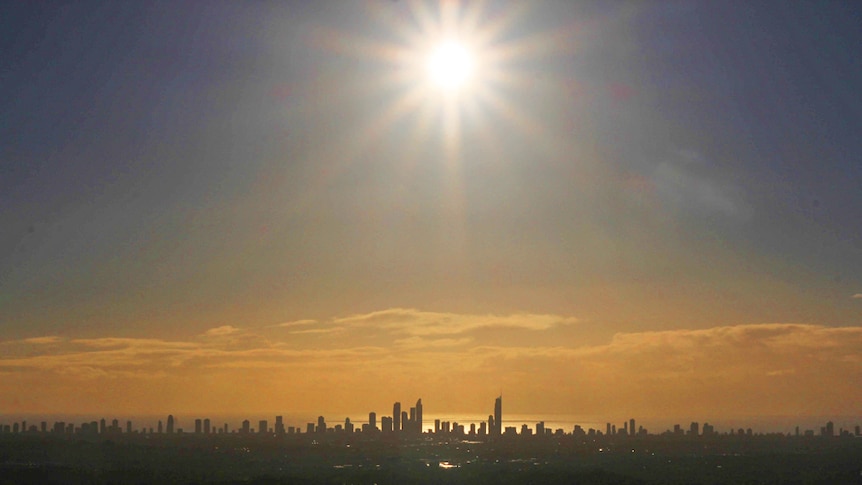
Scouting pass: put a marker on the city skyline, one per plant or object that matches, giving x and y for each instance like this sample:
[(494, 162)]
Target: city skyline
[(328, 451), (410, 424), (602, 208)]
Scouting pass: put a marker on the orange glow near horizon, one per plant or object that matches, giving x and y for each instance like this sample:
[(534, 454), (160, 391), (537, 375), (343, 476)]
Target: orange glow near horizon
[(451, 360)]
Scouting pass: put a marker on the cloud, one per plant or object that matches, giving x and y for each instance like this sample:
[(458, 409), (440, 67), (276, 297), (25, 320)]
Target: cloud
[(446, 343), (683, 182), (130, 343), (309, 331), (772, 368), (43, 340), (421, 323), (295, 323), (857, 296), (222, 331)]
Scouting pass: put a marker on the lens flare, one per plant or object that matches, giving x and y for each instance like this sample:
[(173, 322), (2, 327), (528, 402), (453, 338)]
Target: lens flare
[(450, 65)]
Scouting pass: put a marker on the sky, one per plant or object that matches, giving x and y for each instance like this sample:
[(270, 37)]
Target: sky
[(631, 208)]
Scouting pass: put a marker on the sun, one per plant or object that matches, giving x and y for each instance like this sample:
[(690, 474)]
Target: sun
[(448, 74), (450, 65)]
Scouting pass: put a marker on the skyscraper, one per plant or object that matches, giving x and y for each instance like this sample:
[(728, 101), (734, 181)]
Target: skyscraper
[(419, 416), (498, 416), (396, 417)]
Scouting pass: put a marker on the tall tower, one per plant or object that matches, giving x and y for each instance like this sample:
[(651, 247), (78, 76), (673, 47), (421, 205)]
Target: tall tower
[(396, 417), (170, 423), (498, 416), (419, 416)]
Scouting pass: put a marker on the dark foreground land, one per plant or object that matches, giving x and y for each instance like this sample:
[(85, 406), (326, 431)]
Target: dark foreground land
[(250, 460)]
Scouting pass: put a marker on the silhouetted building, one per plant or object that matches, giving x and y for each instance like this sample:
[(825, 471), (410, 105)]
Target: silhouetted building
[(372, 421), (279, 426), (419, 416), (246, 427), (170, 427), (262, 426), (321, 425), (198, 426), (694, 429), (498, 416), (348, 426), (396, 417), (386, 424)]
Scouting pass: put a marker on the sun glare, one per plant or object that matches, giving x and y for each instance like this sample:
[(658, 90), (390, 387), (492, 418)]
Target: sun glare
[(450, 65), (453, 69)]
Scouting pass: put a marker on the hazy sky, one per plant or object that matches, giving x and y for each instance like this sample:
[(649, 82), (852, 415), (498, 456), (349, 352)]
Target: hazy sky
[(634, 208)]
